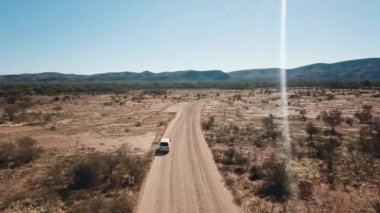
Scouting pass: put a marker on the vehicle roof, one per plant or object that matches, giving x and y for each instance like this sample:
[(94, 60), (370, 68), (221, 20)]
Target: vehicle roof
[(164, 140)]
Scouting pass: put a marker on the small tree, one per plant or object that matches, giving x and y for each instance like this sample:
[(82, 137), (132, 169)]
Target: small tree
[(277, 180), (10, 110), (332, 118), (369, 140), (311, 130), (326, 151), (270, 127), (23, 105), (303, 113)]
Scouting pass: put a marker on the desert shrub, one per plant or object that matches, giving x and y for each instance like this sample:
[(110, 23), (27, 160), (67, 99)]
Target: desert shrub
[(376, 206), (24, 104), (259, 142), (161, 123), (123, 151), (52, 128), (240, 160), (96, 171), (240, 163), (207, 125), (326, 151), (80, 207), (365, 115), (369, 139), (228, 156), (303, 113), (330, 97), (277, 183), (138, 124), (365, 139), (84, 174), (237, 97), (305, 189), (8, 153), (57, 108), (23, 152), (27, 150), (332, 118), (235, 129), (66, 98), (121, 205), (349, 121), (311, 130), (235, 159), (47, 117), (270, 127), (256, 172)]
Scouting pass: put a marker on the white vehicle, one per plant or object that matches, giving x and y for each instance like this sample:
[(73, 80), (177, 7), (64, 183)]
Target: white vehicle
[(164, 145)]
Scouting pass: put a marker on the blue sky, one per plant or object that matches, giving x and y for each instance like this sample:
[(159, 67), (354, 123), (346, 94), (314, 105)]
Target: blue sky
[(94, 36)]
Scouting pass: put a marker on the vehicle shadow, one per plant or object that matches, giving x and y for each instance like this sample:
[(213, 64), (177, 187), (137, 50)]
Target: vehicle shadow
[(159, 153)]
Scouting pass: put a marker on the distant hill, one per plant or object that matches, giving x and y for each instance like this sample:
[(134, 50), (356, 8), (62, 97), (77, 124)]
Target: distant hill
[(361, 69), (120, 77), (347, 70)]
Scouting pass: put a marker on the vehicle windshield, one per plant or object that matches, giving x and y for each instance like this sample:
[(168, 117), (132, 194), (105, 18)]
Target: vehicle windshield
[(164, 144)]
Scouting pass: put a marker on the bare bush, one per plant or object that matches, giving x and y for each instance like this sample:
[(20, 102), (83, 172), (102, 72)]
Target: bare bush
[(303, 113), (305, 189), (23, 152), (332, 118), (365, 115), (270, 127), (8, 153), (27, 150), (10, 110)]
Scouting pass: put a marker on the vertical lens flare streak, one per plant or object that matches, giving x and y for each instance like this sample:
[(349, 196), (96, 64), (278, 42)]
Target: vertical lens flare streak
[(284, 99)]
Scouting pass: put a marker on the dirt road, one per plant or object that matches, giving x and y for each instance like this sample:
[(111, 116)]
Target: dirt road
[(186, 179)]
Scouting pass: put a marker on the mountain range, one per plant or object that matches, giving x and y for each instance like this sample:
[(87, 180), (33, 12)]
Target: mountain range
[(361, 69)]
